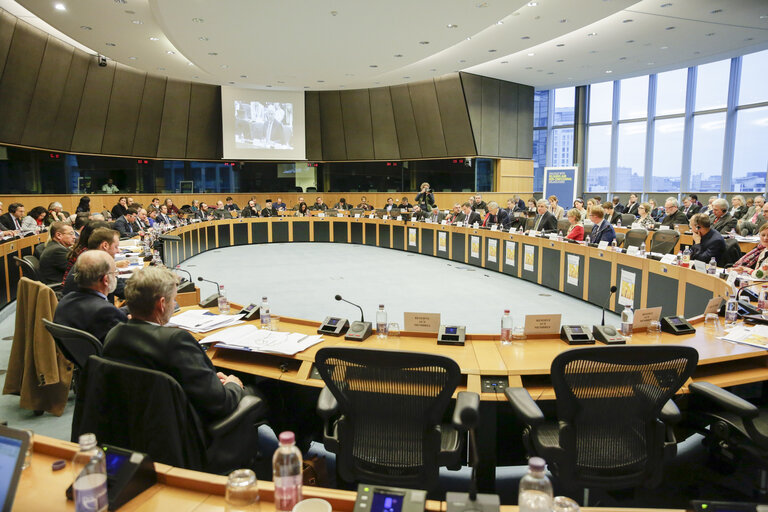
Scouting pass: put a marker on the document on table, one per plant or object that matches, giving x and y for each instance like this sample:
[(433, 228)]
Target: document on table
[(756, 335), (250, 337), (199, 320)]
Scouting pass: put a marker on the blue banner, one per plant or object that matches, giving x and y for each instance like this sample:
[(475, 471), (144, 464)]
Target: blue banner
[(560, 182)]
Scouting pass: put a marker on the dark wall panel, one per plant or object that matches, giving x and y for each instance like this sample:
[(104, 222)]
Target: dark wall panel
[(92, 116), (17, 83), (489, 138), (150, 114), (332, 126), (49, 90), (123, 113), (312, 121), (66, 117), (7, 25), (383, 121), (509, 96), (173, 127), (356, 116), (525, 122), (427, 114), (454, 116), (204, 122), (473, 97), (405, 123)]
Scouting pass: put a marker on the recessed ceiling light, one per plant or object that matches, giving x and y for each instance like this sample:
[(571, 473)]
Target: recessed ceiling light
[(622, 58), (627, 21), (716, 11), (202, 38), (212, 54), (406, 77), (560, 60), (131, 58), (500, 22), (491, 51), (551, 73), (110, 44), (593, 51), (670, 28), (529, 67), (531, 54), (280, 82), (749, 39), (373, 65), (533, 4), (608, 71), (764, 17), (398, 55), (321, 81), (137, 22), (468, 38), (452, 25), (231, 83), (121, 1), (668, 4), (663, 47), (563, 20), (128, 12), (154, 38), (560, 45), (198, 20), (651, 63), (433, 70), (592, 34), (462, 61), (525, 37), (171, 52), (696, 52), (60, 7), (195, 76), (86, 27), (333, 13), (423, 42), (224, 66), (190, 64)]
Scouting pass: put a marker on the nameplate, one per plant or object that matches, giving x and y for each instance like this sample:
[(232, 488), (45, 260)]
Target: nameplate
[(644, 317), (494, 227), (700, 266), (632, 250), (341, 215), (444, 223), (372, 216), (321, 215), (385, 217), (603, 245), (732, 276), (713, 306), (533, 232), (476, 225), (421, 322), (552, 236), (668, 258), (636, 225), (661, 228), (357, 215), (400, 217), (428, 221), (542, 324)]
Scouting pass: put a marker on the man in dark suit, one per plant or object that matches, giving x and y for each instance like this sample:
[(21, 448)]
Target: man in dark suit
[(53, 262), (436, 216), (544, 220), (125, 224), (496, 216), (87, 308), (390, 204), (319, 205), (163, 217), (108, 241), (479, 203), (689, 207), (673, 215), (632, 205), (144, 341), (11, 220), (469, 216), (617, 205), (708, 243), (269, 210), (722, 221), (602, 231)]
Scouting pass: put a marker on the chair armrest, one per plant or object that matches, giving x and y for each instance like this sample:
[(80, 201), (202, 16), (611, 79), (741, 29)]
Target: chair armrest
[(467, 410), (327, 406), (524, 406), (724, 399), (55, 286), (248, 405), (670, 414)]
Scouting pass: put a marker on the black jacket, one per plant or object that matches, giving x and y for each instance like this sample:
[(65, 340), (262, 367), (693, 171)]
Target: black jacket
[(125, 228), (725, 224), (6, 220), (118, 211), (548, 222), (53, 263), (676, 218), (85, 310), (473, 217), (712, 246)]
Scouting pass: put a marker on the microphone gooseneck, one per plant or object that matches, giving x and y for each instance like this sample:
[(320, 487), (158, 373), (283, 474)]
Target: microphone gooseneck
[(613, 290), (362, 315)]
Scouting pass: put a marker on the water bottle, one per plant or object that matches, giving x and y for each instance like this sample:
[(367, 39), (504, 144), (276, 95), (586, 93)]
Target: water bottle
[(687, 257), (264, 313), (762, 300), (89, 469), (641, 251), (731, 311), (586, 240), (381, 322), (627, 319), (618, 222), (535, 488), (286, 473), (712, 266), (506, 328), (614, 246), (223, 302), (679, 258)]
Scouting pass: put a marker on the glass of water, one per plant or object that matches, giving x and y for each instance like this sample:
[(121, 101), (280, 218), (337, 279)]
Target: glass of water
[(654, 331), (242, 493), (393, 330), (564, 504), (712, 324)]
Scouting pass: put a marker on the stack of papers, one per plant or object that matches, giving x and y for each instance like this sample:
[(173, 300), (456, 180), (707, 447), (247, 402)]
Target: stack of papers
[(755, 335), (249, 337), (199, 320)]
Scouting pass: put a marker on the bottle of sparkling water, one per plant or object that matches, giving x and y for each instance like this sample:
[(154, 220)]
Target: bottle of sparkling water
[(535, 488), (627, 319), (506, 328), (90, 476), (286, 473), (223, 302), (264, 313), (381, 322)]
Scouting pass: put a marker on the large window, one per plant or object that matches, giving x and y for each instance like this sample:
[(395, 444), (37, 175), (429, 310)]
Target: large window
[(564, 103), (754, 78), (712, 85), (750, 161), (633, 103), (599, 158), (667, 154), (600, 102), (630, 164), (707, 154), (670, 92)]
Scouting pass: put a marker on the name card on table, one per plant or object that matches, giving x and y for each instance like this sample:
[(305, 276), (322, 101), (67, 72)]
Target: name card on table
[(632, 250), (732, 276), (385, 217), (372, 216), (542, 324), (700, 266), (661, 228), (421, 322), (321, 215), (444, 223), (533, 232), (602, 245), (399, 217), (429, 221), (341, 215), (357, 215), (643, 317), (713, 306), (552, 236), (668, 258), (494, 227)]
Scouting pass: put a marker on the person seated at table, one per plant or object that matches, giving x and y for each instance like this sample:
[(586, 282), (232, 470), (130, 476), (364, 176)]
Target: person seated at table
[(204, 213), (645, 220), (468, 216), (279, 205), (341, 205), (611, 215), (220, 212), (108, 241), (576, 229), (269, 210), (404, 204), (632, 206), (418, 214), (738, 207), (296, 206), (657, 212), (87, 308), (302, 210), (163, 217), (672, 214), (144, 341), (390, 204), (120, 208), (250, 210), (195, 206), (749, 224), (544, 221), (364, 204), (319, 205), (578, 204), (33, 222), (53, 261), (84, 206), (602, 231), (689, 207), (172, 209), (517, 203), (617, 206), (708, 209), (554, 209), (756, 256), (708, 243), (453, 215), (722, 221), (496, 216), (531, 207), (124, 224), (479, 203), (55, 213), (81, 245), (231, 205)]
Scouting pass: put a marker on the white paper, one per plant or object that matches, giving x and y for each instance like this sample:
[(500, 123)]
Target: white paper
[(250, 337), (444, 222), (533, 232), (399, 217), (200, 320), (442, 241), (602, 245), (756, 335), (493, 246), (668, 258), (341, 215), (632, 250), (321, 215), (627, 288), (662, 228), (357, 215), (509, 256), (528, 257), (573, 270), (412, 237), (371, 216), (474, 245), (494, 227)]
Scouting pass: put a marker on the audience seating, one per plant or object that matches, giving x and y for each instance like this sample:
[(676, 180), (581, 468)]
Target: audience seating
[(75, 345), (664, 241), (30, 267), (627, 219), (563, 225), (635, 237)]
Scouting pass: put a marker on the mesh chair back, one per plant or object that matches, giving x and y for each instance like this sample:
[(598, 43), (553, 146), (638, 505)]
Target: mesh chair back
[(358, 211), (664, 241), (391, 405), (620, 238), (635, 238), (563, 225), (28, 269), (588, 227), (530, 222), (394, 212), (731, 254), (608, 402), (331, 211), (76, 345), (627, 219)]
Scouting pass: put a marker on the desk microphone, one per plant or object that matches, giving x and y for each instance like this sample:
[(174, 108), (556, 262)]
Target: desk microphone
[(338, 297), (607, 334), (213, 299), (188, 286), (613, 290)]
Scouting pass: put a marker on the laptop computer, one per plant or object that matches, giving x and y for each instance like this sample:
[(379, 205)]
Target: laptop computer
[(13, 450)]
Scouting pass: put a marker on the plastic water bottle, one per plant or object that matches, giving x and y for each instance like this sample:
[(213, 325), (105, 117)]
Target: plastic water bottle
[(731, 311), (687, 257), (223, 302), (762, 299), (535, 488), (264, 313), (506, 328), (381, 322), (641, 251), (614, 245), (90, 476), (712, 266), (679, 259), (627, 319), (286, 473), (618, 222), (586, 240)]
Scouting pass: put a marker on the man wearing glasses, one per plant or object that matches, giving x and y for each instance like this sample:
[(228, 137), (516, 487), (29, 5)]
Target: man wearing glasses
[(673, 215), (722, 220)]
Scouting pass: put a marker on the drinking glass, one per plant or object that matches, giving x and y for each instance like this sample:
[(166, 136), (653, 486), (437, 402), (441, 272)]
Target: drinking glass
[(242, 493), (712, 324), (393, 330), (654, 331), (564, 504), (28, 455)]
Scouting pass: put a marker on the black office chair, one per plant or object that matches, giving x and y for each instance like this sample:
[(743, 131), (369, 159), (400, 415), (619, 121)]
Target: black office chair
[(382, 412), (28, 268), (627, 219), (331, 212), (620, 239), (529, 223), (76, 345), (664, 241), (563, 225), (635, 238), (354, 211), (613, 404), (147, 411), (731, 254)]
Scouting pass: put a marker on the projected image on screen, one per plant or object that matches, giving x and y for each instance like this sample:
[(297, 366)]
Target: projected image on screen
[(263, 125)]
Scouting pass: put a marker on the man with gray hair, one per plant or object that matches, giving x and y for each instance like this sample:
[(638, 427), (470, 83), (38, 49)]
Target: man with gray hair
[(748, 224), (672, 214), (721, 219), (54, 214), (88, 308), (496, 216), (544, 220)]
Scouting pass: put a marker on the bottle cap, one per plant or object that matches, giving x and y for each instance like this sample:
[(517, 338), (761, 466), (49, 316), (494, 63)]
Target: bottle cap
[(264, 299), (381, 306), (506, 311), (289, 437), (87, 441), (536, 464)]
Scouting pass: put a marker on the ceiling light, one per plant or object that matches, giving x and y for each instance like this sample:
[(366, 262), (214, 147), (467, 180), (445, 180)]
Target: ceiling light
[(462, 61), (154, 38), (505, 62), (121, 1), (627, 21), (531, 54), (398, 55), (171, 52), (224, 66), (137, 22), (423, 42), (529, 67), (195, 76), (231, 83), (592, 34), (622, 58), (202, 38), (85, 27), (333, 13), (608, 71), (452, 25), (373, 65), (320, 81), (630, 41), (243, 76), (560, 60), (593, 51), (60, 7), (663, 47), (500, 22), (212, 54), (433, 69), (764, 17), (468, 38), (110, 44), (551, 73), (668, 4), (406, 77), (716, 11), (131, 58), (198, 20), (710, 34), (749, 39), (128, 12), (563, 20), (651, 63), (190, 64)]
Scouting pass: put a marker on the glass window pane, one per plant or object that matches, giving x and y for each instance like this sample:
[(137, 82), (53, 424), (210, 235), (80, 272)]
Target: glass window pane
[(670, 92), (600, 102), (668, 154), (633, 101), (564, 102), (539, 158), (598, 158), (707, 155), (750, 151), (630, 164), (540, 105), (712, 85), (754, 75), (562, 147)]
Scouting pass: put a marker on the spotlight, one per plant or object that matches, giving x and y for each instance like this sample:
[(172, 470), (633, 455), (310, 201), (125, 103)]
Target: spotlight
[(102, 60)]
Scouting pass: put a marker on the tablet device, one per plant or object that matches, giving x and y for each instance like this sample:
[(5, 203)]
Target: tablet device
[(13, 450)]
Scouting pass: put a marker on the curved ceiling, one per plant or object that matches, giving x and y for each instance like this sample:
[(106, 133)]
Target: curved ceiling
[(336, 44)]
